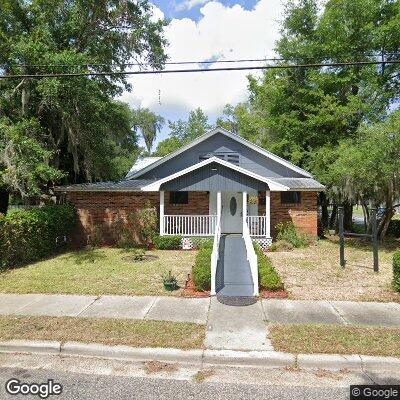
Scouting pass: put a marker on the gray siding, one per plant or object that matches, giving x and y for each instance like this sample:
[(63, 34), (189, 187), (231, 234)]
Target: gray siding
[(249, 159), (214, 177)]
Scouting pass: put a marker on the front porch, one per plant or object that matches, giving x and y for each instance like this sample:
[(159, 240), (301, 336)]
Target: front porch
[(233, 211)]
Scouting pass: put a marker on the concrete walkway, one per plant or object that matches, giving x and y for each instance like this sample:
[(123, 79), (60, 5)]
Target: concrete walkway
[(228, 327)]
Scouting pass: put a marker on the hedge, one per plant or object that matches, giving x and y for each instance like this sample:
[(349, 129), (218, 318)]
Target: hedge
[(167, 242), (267, 275), (201, 270), (396, 270), (29, 235)]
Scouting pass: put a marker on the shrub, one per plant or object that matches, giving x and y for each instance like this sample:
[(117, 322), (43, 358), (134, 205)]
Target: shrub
[(281, 245), (138, 254), (287, 231), (96, 237), (201, 242), (146, 219), (267, 275), (126, 239), (29, 235), (201, 270), (396, 270), (167, 242)]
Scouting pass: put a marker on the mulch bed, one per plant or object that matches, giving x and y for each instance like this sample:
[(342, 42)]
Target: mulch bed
[(276, 294), (190, 290)]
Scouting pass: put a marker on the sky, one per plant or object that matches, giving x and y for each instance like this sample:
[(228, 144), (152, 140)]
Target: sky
[(202, 30)]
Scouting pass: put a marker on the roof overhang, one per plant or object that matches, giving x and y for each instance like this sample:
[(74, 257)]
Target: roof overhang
[(274, 186), (232, 136)]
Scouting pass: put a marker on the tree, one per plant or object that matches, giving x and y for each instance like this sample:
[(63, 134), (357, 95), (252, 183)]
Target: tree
[(297, 112), (149, 124), (183, 132), (82, 127), (367, 168)]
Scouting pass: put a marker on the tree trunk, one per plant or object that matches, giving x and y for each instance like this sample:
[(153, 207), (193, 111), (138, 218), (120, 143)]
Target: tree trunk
[(4, 199), (366, 215), (324, 209), (348, 216), (333, 218), (384, 223)]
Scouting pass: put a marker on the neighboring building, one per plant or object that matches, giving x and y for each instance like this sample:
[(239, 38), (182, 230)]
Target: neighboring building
[(220, 182)]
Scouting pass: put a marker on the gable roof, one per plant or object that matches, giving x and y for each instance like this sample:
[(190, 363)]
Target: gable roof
[(155, 186), (231, 135)]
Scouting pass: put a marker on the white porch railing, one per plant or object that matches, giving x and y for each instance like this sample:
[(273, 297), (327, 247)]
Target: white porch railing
[(251, 257), (189, 225), (215, 256), (257, 225)]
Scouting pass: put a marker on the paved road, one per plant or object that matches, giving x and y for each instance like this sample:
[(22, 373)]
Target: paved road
[(79, 386)]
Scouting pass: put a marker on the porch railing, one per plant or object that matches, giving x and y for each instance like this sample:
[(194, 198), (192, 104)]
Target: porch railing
[(215, 256), (190, 225), (252, 258), (257, 225)]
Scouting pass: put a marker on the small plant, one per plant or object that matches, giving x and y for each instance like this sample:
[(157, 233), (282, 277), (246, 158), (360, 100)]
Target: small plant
[(201, 270), (281, 245), (170, 282), (126, 240), (138, 254), (396, 270), (95, 239), (167, 242), (287, 232)]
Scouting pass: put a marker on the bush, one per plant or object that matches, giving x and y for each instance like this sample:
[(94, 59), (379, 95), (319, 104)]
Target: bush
[(202, 270), (394, 228), (201, 242), (167, 242), (267, 275), (396, 270), (146, 219), (281, 245), (287, 231), (29, 235)]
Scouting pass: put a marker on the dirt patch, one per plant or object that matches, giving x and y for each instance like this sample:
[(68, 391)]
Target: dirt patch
[(274, 294), (154, 367), (203, 374), (146, 257), (190, 290), (314, 273)]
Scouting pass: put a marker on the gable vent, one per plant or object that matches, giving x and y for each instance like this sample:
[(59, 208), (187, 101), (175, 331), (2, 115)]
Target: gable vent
[(233, 158)]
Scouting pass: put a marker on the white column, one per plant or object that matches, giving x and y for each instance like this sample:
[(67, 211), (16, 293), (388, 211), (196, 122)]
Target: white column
[(219, 203), (161, 213), (268, 214), (244, 209)]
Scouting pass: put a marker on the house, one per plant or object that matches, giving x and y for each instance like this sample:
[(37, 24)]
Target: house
[(218, 184)]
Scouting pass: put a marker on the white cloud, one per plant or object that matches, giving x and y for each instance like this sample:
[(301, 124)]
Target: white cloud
[(189, 4), (223, 32)]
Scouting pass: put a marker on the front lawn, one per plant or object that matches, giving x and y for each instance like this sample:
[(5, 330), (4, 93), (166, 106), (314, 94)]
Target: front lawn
[(100, 271), (314, 273), (104, 330), (333, 339)]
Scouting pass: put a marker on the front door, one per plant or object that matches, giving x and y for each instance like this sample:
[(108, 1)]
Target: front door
[(232, 212)]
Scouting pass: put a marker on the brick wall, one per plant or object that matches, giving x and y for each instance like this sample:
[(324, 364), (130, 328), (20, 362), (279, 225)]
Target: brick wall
[(303, 215), (110, 210)]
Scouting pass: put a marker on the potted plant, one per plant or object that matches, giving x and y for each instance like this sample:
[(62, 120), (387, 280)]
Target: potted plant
[(170, 282)]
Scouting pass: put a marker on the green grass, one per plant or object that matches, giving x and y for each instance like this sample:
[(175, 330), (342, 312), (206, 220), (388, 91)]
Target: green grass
[(333, 339), (104, 330), (100, 271)]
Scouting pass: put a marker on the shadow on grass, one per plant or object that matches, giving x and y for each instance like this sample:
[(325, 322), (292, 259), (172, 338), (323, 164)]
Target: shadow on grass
[(388, 245), (86, 256)]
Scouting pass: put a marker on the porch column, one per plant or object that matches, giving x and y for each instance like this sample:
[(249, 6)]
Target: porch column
[(219, 202), (268, 214), (161, 212), (244, 209)]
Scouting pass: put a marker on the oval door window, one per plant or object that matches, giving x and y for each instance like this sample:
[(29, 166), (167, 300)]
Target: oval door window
[(233, 206)]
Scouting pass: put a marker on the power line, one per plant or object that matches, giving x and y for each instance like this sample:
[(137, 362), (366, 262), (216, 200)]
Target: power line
[(174, 71), (288, 59)]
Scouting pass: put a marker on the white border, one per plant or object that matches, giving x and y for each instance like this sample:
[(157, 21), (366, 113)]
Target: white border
[(155, 186), (232, 136)]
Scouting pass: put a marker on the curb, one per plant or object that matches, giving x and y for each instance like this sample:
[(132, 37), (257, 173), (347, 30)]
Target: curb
[(266, 359)]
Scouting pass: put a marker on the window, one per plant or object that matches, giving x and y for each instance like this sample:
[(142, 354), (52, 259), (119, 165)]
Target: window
[(290, 197), (233, 158), (178, 197)]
